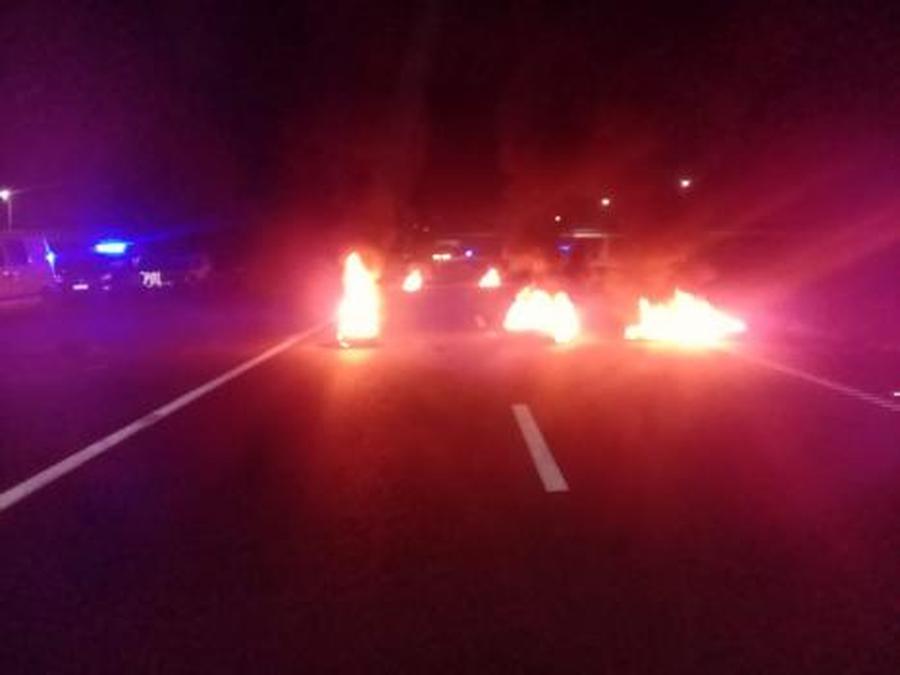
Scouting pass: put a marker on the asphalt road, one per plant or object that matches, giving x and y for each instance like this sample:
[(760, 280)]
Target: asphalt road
[(382, 510)]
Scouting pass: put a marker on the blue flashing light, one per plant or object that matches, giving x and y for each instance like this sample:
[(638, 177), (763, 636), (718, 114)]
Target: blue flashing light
[(51, 257), (111, 247)]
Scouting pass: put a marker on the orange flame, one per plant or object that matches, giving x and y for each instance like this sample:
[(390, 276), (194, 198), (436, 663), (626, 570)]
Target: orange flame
[(413, 281), (490, 279), (684, 320), (535, 311), (359, 312)]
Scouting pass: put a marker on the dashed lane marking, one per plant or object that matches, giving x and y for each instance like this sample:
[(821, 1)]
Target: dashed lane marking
[(544, 463)]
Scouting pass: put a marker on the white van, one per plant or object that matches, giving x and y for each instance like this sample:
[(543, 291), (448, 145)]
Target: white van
[(26, 268)]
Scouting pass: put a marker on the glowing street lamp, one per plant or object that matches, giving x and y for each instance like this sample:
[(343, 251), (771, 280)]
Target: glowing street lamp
[(6, 195), (605, 202), (557, 219), (685, 183)]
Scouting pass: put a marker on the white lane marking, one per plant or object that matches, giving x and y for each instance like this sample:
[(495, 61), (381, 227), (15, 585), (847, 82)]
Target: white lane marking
[(546, 466), (845, 389), (56, 471)]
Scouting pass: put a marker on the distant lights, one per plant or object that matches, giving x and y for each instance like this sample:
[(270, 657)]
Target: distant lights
[(685, 183), (5, 194), (605, 202), (557, 219), (111, 247)]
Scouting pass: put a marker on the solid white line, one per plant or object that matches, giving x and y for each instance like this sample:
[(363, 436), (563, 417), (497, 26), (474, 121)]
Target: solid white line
[(824, 382), (546, 466), (56, 471)]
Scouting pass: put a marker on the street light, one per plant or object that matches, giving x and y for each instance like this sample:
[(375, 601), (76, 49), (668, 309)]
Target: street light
[(605, 202), (557, 219), (685, 183), (6, 195)]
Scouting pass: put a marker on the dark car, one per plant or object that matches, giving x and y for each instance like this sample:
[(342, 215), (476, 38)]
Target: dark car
[(168, 265), (460, 260), (118, 266), (83, 271)]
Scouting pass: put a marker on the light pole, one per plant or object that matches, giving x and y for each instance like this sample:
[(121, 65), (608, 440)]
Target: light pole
[(6, 195)]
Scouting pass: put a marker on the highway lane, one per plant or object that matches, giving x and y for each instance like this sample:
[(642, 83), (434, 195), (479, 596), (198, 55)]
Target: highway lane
[(72, 374), (378, 510)]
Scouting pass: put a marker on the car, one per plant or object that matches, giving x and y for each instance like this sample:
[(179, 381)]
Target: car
[(88, 274), (26, 268), (116, 266), (90, 270), (457, 260), (171, 264)]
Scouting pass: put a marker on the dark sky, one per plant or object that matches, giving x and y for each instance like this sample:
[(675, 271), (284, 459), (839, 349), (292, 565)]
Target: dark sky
[(180, 114)]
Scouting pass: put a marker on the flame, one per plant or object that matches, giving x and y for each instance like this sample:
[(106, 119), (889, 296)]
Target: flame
[(490, 279), (535, 311), (685, 320), (358, 314), (413, 281)]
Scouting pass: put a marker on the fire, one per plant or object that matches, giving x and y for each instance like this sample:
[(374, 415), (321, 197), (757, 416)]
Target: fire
[(490, 279), (685, 320), (359, 312), (413, 281), (536, 311)]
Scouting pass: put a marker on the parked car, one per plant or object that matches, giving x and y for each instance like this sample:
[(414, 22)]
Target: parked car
[(172, 264), (115, 266), (26, 268), (86, 273)]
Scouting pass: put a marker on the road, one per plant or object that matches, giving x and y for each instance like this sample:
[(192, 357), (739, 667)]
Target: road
[(386, 510)]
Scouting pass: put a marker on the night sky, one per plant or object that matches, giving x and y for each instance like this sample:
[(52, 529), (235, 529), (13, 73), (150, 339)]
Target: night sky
[(320, 115)]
